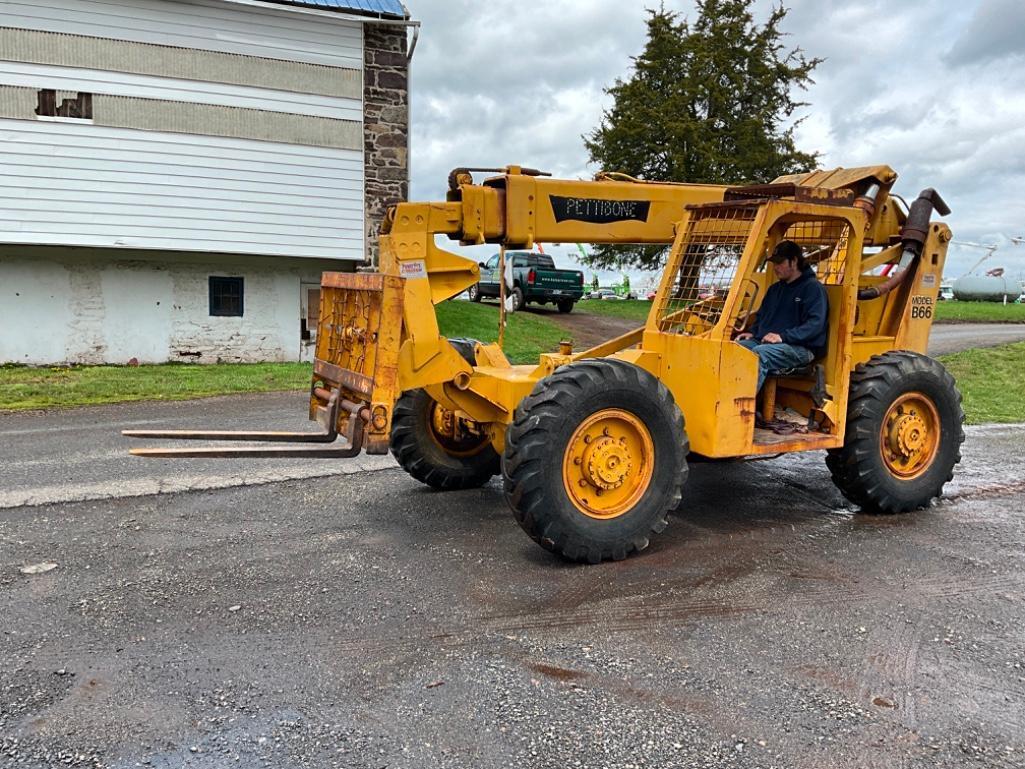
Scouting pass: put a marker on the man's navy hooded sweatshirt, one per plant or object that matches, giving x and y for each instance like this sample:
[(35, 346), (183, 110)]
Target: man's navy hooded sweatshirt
[(796, 311)]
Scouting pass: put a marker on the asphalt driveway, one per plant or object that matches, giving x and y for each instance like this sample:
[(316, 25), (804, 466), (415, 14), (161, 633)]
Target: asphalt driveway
[(362, 620)]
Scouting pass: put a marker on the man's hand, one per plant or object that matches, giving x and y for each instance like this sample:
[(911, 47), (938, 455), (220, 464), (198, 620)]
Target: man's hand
[(772, 338), (745, 335)]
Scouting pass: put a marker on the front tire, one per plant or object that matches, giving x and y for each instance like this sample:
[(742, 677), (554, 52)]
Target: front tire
[(595, 459), (429, 446), (474, 292), (904, 433)]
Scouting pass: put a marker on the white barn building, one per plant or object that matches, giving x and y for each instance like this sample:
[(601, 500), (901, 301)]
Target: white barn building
[(176, 174)]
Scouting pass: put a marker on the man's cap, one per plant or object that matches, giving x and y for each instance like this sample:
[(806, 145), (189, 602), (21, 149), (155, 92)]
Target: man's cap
[(786, 250)]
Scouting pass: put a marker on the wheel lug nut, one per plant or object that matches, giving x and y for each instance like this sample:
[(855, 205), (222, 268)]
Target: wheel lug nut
[(583, 483)]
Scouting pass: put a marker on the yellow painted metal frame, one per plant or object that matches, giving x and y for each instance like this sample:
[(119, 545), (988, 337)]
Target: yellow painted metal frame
[(712, 379)]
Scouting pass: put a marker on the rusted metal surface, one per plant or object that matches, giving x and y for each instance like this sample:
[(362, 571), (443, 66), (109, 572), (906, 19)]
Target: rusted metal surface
[(916, 228), (358, 416), (822, 196), (350, 380), (353, 281), (230, 435), (358, 343), (386, 386)]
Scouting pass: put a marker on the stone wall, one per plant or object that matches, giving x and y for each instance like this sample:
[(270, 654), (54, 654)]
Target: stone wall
[(386, 125), (79, 305)]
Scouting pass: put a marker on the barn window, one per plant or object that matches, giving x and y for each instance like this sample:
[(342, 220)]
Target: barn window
[(80, 107), (226, 296)]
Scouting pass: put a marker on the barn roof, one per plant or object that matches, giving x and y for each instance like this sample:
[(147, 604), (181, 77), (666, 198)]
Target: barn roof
[(392, 9)]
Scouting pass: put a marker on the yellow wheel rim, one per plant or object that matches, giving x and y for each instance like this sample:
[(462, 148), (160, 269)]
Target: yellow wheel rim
[(910, 435), (457, 436), (608, 464)]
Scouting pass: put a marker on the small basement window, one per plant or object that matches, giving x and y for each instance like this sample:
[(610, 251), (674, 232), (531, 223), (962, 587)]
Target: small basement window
[(226, 296)]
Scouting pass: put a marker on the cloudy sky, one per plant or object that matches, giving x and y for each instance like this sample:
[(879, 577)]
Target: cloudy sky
[(933, 88)]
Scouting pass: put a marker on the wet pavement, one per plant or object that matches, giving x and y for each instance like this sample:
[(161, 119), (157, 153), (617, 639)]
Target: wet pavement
[(946, 338), (363, 620), (78, 454)]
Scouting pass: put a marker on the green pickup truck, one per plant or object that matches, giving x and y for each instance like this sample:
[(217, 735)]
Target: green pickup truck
[(535, 279)]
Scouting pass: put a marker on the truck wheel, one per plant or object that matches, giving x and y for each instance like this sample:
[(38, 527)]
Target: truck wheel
[(904, 433), (565, 305), (595, 459), (436, 448), (474, 292), (517, 299)]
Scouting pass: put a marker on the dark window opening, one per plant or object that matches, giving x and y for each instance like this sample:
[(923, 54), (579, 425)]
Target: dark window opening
[(226, 297), (308, 325), (80, 107)]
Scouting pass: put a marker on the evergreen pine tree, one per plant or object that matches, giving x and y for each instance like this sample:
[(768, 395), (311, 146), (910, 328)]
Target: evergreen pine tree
[(709, 101)]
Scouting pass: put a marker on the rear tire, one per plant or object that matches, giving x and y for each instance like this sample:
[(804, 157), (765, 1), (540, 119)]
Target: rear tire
[(595, 459), (517, 299), (474, 292), (565, 305), (433, 457), (904, 433)]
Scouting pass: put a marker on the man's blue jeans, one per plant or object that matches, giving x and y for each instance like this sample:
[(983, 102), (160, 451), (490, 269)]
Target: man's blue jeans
[(776, 357)]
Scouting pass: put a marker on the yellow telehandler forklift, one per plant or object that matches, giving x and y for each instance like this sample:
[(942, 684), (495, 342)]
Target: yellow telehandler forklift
[(592, 446)]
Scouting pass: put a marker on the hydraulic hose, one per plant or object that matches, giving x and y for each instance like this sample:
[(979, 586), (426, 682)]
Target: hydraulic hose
[(912, 238)]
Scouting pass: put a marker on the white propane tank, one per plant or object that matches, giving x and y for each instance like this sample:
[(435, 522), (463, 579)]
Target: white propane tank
[(985, 288)]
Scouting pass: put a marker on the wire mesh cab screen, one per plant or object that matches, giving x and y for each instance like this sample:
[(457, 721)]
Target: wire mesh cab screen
[(710, 255), (824, 243), (713, 243)]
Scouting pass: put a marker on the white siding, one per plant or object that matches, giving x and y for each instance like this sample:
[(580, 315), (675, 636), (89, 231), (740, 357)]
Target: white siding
[(145, 87), (95, 186), (203, 24)]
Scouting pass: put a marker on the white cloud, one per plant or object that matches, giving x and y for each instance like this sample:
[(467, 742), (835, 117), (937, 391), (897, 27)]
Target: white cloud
[(933, 89)]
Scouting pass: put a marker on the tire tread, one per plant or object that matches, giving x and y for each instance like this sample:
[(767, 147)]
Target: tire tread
[(528, 445), (854, 466)]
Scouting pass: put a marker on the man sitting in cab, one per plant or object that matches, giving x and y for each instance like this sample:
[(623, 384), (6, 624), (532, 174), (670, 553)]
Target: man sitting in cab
[(790, 329)]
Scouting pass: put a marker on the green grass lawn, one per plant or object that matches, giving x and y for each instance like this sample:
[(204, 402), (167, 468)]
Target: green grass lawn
[(526, 334), (22, 387), (979, 312), (992, 381), (632, 309)]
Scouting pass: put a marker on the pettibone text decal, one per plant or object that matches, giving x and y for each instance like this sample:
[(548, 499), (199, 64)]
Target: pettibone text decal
[(595, 211)]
